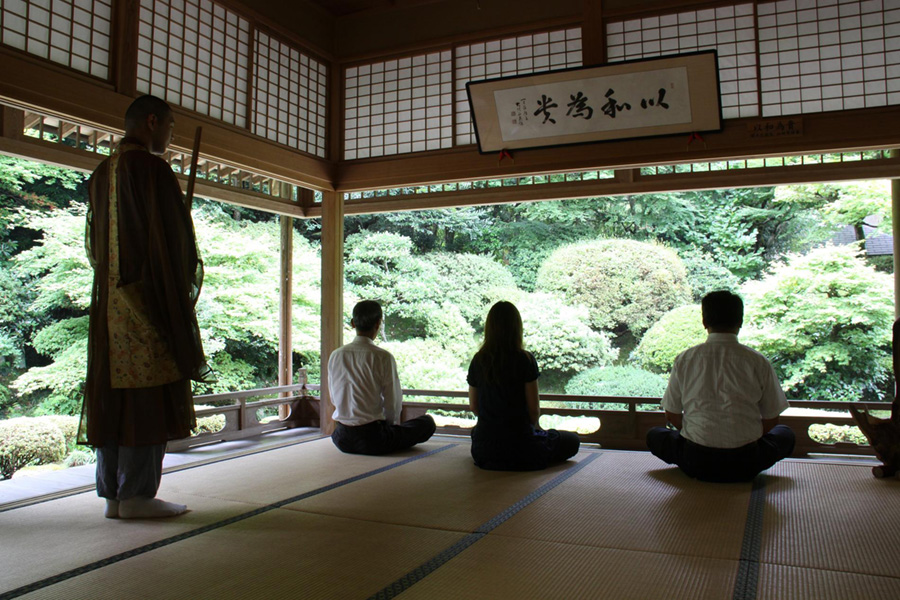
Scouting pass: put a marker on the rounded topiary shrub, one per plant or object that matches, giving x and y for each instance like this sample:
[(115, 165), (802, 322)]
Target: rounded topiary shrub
[(677, 330), (68, 425), (616, 381), (626, 285), (209, 424), (26, 441), (829, 433)]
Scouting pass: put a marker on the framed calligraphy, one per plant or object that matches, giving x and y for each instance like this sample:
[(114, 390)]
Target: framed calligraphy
[(642, 98)]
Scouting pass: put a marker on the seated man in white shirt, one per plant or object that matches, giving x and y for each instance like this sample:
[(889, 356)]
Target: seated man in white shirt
[(725, 399), (366, 393)]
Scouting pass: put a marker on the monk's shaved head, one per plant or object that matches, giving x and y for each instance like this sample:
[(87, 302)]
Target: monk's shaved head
[(143, 107), (150, 121)]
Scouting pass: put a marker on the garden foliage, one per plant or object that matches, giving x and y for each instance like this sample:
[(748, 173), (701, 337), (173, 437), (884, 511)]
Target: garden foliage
[(626, 285), (675, 332), (593, 278), (25, 441)]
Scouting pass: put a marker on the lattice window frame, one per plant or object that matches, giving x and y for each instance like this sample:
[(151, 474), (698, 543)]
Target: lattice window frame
[(279, 113), (398, 106), (826, 55), (516, 55), (72, 33), (211, 80), (730, 30)]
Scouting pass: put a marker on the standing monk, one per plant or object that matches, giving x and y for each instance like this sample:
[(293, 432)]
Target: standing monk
[(144, 344)]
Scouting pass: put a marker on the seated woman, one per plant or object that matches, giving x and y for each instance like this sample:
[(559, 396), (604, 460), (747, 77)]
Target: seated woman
[(503, 394)]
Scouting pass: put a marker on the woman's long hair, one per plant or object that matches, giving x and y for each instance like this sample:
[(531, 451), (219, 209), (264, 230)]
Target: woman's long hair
[(502, 340)]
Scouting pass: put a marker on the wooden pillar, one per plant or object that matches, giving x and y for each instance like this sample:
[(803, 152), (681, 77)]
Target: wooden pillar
[(124, 51), (895, 215), (285, 311), (332, 293), (593, 35)]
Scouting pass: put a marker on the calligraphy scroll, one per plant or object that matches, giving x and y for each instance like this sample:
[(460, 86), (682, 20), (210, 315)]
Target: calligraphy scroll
[(642, 98)]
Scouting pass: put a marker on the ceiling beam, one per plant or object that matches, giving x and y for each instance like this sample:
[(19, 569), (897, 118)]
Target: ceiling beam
[(628, 182), (863, 129)]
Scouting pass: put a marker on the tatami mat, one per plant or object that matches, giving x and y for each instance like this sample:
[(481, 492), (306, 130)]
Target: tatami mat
[(834, 517), (53, 537), (501, 567), (791, 583), (272, 476), (616, 525), (632, 501), (446, 491), (278, 555)]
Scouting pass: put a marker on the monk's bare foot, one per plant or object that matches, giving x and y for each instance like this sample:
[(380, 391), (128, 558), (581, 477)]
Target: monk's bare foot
[(112, 509), (149, 508)]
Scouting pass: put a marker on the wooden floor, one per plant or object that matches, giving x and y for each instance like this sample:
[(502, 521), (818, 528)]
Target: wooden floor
[(305, 521)]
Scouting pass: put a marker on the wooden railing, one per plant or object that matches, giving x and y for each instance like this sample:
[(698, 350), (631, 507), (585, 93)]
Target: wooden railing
[(240, 415), (619, 429), (626, 429)]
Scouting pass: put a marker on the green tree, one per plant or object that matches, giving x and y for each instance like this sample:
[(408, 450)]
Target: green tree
[(706, 274), (824, 320), (61, 279), (381, 266), (560, 337), (626, 285), (677, 330), (855, 203), (237, 310), (469, 281), (426, 365)]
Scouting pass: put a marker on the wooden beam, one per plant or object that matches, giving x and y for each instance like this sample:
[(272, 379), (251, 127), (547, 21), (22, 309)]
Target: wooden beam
[(12, 122), (71, 158), (332, 312), (307, 199), (32, 84), (823, 132), (629, 181)]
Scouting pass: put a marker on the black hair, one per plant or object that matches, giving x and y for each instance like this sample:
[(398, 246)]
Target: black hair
[(366, 315), (502, 340), (722, 310)]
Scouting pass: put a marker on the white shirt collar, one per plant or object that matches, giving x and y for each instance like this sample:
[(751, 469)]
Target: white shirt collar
[(722, 338)]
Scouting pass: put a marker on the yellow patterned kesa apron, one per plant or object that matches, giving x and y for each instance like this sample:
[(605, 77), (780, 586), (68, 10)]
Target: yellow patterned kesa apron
[(138, 356)]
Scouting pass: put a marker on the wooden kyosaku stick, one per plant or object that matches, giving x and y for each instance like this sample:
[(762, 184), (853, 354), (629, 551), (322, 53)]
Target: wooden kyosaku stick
[(192, 178)]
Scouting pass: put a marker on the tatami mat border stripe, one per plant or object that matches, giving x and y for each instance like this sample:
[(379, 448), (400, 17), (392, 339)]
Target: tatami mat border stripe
[(174, 469), (745, 583), (38, 585), (404, 583)]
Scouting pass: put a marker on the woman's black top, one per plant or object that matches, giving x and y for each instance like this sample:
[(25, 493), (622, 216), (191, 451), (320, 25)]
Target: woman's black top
[(504, 437)]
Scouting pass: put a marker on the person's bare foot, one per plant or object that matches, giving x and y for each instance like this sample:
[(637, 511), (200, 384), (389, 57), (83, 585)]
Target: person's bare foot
[(149, 508), (112, 509)]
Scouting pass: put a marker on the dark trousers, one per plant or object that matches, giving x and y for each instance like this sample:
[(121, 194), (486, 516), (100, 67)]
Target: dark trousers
[(378, 437), (721, 464), (125, 472), (536, 450)]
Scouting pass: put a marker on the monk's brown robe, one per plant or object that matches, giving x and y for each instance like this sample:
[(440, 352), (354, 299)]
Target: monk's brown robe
[(144, 343)]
